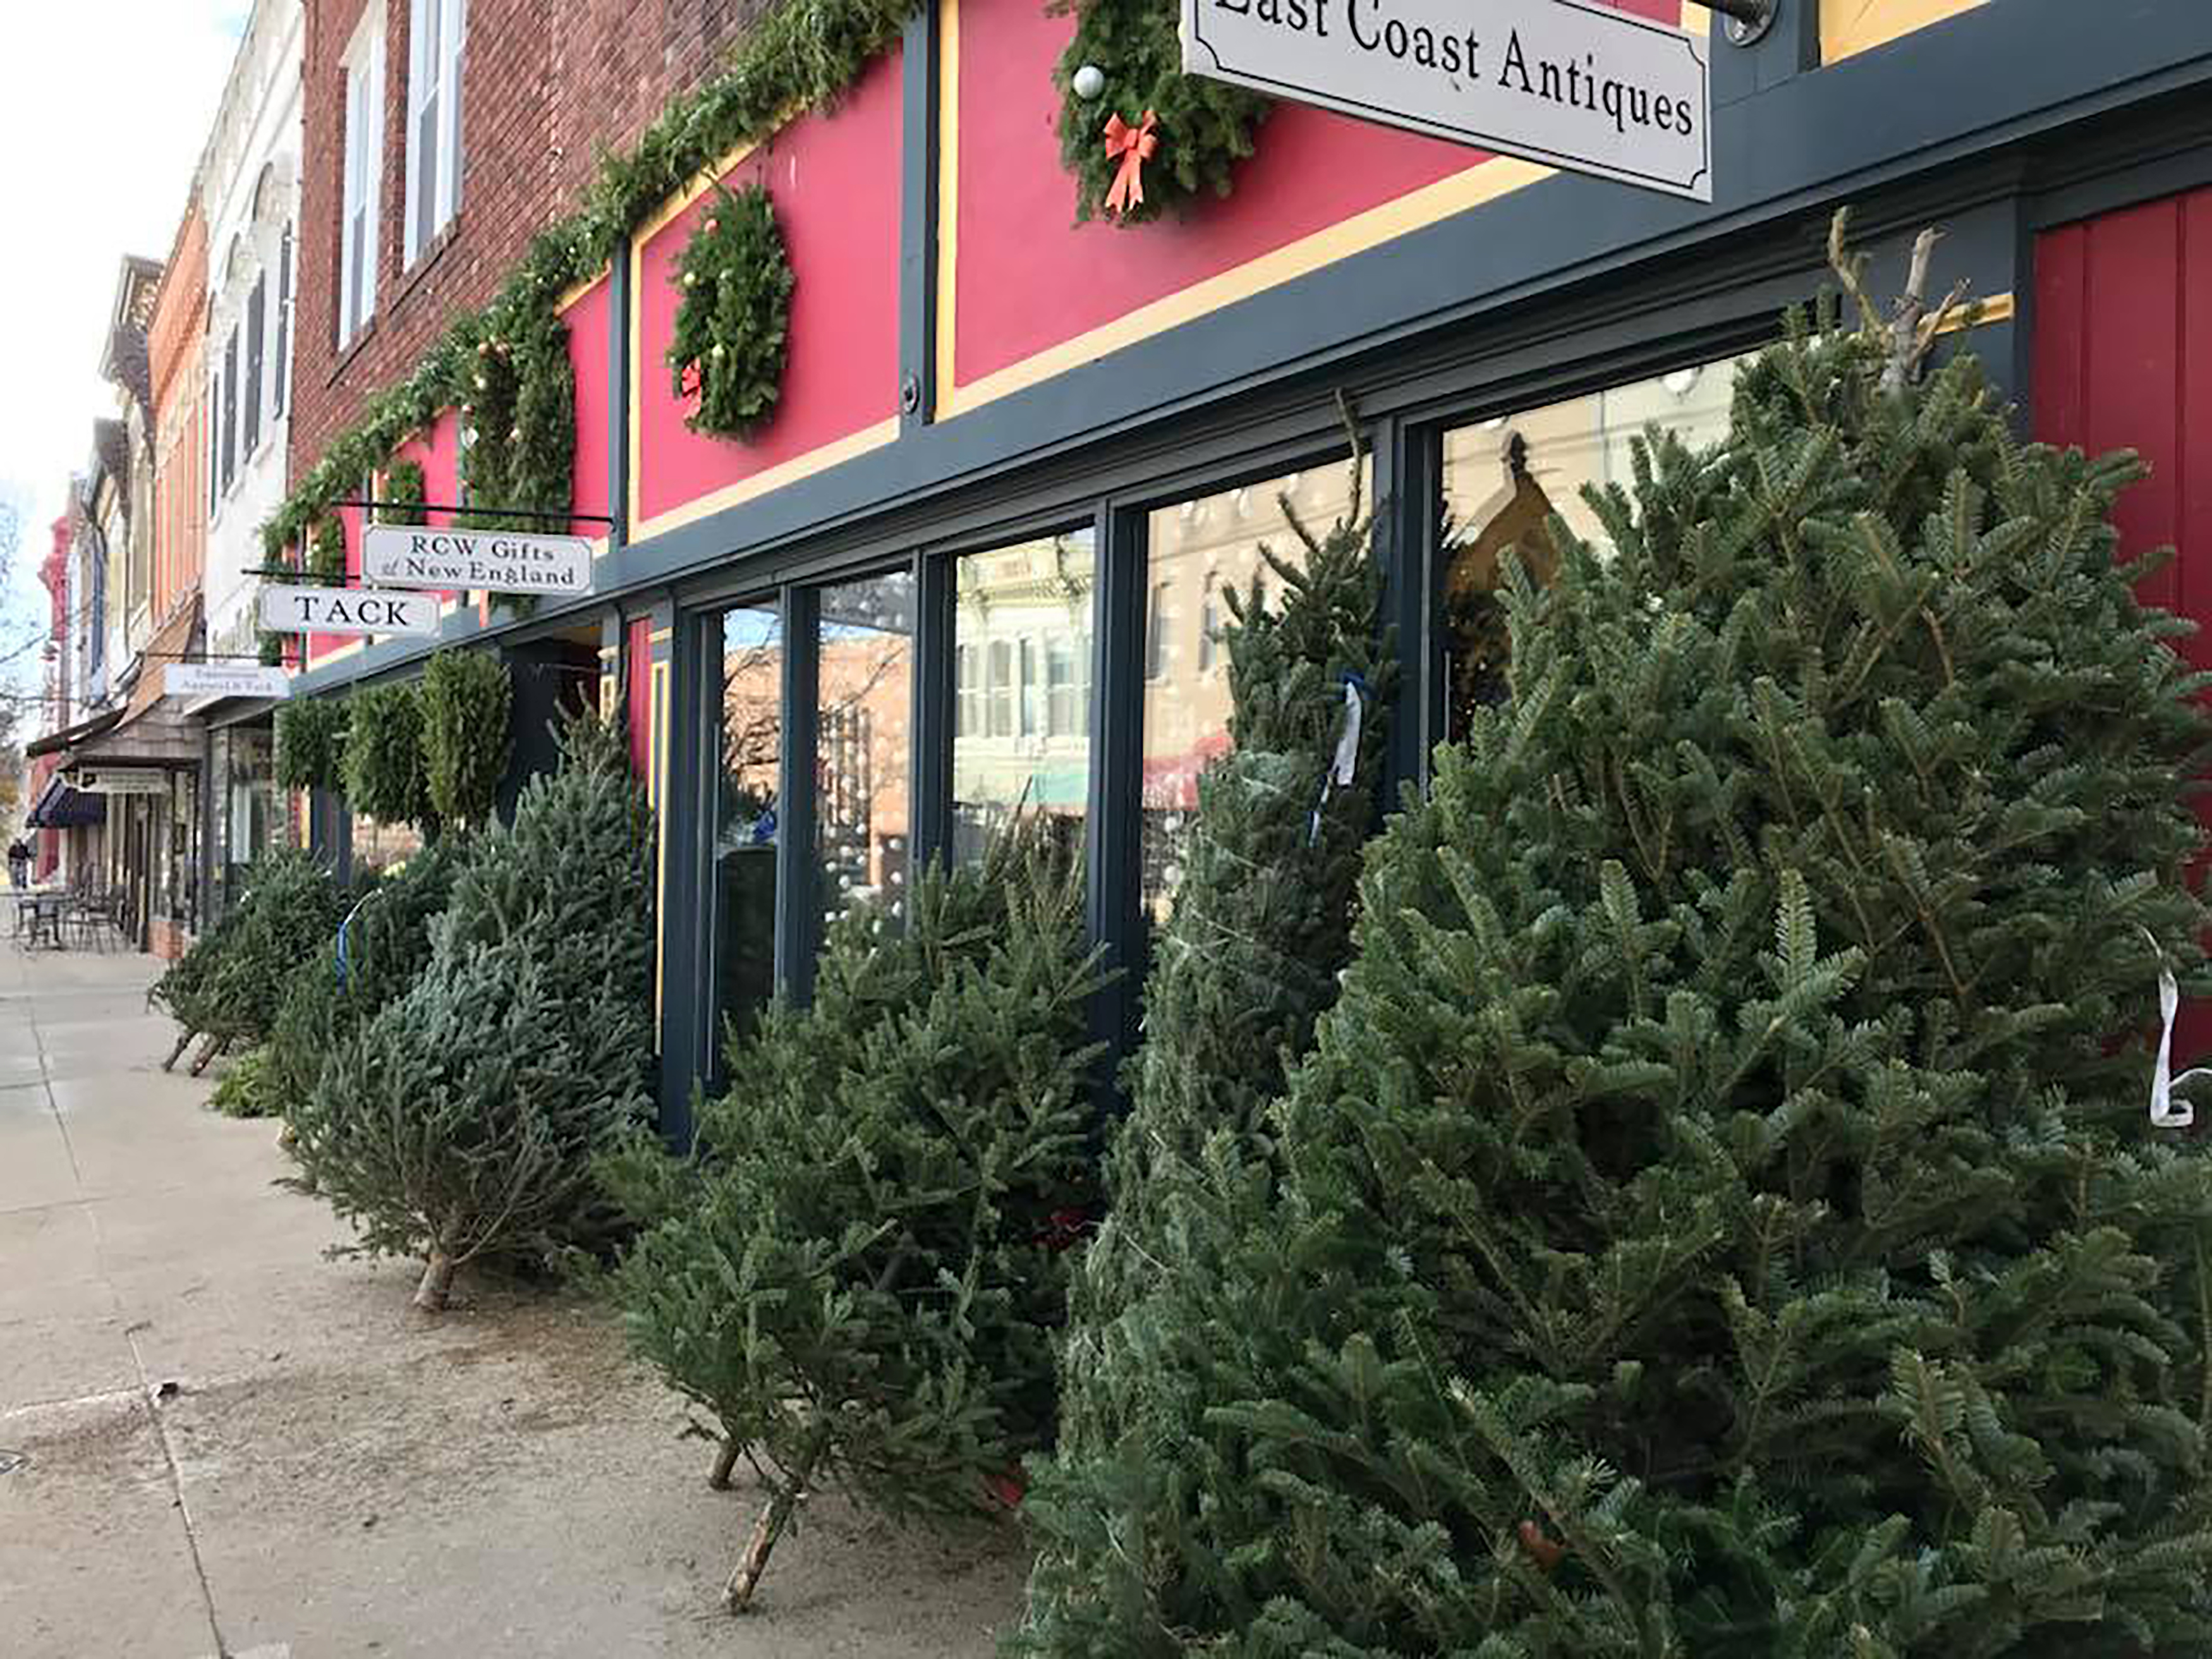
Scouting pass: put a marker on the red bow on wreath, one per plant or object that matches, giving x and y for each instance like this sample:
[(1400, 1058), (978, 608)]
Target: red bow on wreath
[(691, 387), (1135, 146)]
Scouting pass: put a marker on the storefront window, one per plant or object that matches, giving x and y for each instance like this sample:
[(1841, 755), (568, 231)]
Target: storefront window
[(1197, 552), (744, 812), (378, 846), (1021, 654), (1504, 478), (249, 813), (864, 715)]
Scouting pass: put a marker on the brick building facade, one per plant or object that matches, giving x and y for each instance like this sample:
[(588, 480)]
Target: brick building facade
[(543, 88), (177, 345)]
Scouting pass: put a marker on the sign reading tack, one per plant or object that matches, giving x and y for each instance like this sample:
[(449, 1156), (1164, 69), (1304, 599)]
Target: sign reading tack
[(489, 560), (1571, 84), (346, 610)]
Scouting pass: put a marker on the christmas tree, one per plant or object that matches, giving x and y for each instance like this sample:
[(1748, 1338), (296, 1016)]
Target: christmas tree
[(230, 986), (1721, 1218), (861, 1281), (1247, 962), (383, 944), (460, 1122)]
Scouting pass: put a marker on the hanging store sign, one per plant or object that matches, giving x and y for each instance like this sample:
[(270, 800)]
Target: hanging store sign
[(492, 560), (1575, 85), (346, 610), (121, 780), (214, 680)]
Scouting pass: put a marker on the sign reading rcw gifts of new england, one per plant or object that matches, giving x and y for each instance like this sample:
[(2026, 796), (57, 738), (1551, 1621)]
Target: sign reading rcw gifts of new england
[(1574, 85), (488, 561), (346, 610)]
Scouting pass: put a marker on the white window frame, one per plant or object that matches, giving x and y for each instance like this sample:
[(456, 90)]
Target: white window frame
[(435, 32), (363, 177)]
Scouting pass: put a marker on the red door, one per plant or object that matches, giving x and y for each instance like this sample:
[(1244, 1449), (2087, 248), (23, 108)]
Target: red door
[(2123, 361)]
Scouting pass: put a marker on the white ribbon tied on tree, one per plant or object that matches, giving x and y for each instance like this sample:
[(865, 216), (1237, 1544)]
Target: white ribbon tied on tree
[(2167, 1112), (1344, 767)]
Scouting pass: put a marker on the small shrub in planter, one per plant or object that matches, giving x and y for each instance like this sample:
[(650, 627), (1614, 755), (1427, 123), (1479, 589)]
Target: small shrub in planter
[(385, 774), (466, 699), (460, 1123)]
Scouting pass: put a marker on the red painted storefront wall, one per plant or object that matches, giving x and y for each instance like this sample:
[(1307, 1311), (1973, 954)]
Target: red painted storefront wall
[(2123, 361), (1029, 277), (834, 179)]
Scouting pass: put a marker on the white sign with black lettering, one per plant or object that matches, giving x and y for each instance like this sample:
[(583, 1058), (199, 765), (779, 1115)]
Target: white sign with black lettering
[(346, 610), (109, 780), (492, 560), (215, 679), (1577, 86)]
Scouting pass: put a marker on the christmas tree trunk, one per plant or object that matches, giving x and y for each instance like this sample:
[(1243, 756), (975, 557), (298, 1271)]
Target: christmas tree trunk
[(1721, 1216)]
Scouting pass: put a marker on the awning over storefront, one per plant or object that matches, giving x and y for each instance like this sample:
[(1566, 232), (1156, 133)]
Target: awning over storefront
[(61, 808), (160, 736), (61, 742)]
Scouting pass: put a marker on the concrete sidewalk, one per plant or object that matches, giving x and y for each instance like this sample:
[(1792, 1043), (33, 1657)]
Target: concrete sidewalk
[(213, 1441)]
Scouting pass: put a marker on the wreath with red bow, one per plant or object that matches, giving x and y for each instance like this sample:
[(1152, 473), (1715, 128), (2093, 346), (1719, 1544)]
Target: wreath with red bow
[(1153, 140)]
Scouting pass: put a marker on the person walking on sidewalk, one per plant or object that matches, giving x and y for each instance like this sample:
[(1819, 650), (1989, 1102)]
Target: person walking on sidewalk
[(19, 864)]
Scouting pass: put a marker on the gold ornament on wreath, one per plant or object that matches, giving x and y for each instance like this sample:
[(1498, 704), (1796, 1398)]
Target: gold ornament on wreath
[(733, 323)]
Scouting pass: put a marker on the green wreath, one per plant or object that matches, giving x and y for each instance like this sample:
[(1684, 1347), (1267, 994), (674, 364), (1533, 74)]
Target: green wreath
[(1205, 127), (733, 326), (521, 405), (404, 492), (326, 553)]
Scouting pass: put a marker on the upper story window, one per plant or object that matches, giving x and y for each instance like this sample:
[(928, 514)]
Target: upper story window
[(257, 306), (435, 32), (363, 180)]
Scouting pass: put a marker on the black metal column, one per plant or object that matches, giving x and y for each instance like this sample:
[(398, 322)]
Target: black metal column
[(798, 905)]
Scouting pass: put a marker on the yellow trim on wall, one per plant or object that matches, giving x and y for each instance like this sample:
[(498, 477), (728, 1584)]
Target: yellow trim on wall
[(948, 197), (656, 788), (1486, 181), (1850, 27), (776, 477), (576, 291), (1997, 308)]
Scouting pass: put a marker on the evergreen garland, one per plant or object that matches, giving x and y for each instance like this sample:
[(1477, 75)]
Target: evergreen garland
[(326, 553), (733, 325), (801, 56), (385, 775), (466, 699), (311, 743), (403, 493), (1205, 126), (520, 406)]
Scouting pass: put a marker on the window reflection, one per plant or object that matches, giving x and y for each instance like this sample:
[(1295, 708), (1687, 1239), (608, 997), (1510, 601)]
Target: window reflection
[(864, 714), (1504, 478), (744, 812), (1198, 552), (1021, 674)]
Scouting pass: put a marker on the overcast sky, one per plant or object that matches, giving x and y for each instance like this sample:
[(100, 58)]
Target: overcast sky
[(104, 104)]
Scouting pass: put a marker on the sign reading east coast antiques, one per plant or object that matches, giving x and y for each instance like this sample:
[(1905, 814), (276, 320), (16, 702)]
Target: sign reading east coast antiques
[(1566, 83), (346, 610), (214, 680), (493, 562)]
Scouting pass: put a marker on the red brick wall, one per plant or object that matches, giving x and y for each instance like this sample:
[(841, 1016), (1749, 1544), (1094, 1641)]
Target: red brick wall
[(176, 340), (542, 86)]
